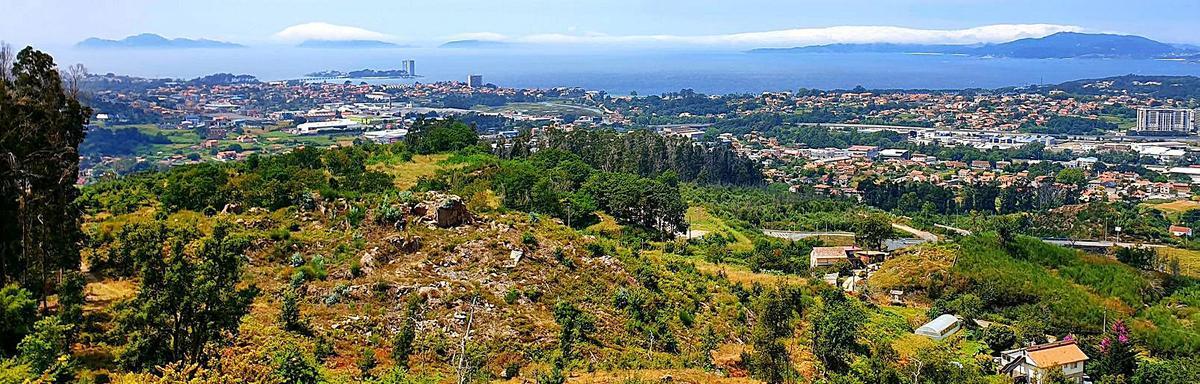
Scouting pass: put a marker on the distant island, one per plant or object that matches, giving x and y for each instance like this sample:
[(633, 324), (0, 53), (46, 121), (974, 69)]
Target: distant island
[(150, 40), (474, 44), (364, 74), (358, 44), (1062, 45)]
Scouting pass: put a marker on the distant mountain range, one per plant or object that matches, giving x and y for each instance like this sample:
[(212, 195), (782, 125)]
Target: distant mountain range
[(1060, 45), (348, 44), (476, 44), (150, 40)]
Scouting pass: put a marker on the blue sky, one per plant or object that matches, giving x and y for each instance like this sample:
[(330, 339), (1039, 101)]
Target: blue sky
[(612, 22)]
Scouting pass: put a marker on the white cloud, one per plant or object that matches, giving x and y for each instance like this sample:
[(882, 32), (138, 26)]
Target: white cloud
[(326, 31), (811, 36), (485, 36)]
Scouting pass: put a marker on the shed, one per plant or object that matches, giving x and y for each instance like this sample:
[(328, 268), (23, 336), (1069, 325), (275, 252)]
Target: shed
[(941, 327)]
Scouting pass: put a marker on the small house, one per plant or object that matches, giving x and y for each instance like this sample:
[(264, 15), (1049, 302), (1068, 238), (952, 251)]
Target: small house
[(1030, 364), (941, 327), (1180, 231), (826, 256)]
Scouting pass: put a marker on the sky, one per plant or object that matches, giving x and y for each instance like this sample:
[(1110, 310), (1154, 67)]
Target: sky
[(732, 23)]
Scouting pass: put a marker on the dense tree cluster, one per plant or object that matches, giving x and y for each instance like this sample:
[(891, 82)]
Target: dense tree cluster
[(271, 182), (560, 184), (648, 154), (773, 207), (116, 142), (189, 297), (430, 136), (41, 126), (929, 198)]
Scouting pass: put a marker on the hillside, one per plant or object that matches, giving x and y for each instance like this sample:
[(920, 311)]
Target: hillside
[(150, 40), (1060, 45), (1081, 45), (433, 260), (368, 243), (1180, 87)]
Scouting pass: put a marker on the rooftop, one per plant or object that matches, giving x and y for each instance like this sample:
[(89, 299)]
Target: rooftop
[(1056, 354)]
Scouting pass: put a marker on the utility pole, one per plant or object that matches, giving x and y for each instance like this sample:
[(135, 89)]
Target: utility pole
[(462, 354)]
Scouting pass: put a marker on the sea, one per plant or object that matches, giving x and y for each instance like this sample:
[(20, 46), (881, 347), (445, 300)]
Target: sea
[(624, 72)]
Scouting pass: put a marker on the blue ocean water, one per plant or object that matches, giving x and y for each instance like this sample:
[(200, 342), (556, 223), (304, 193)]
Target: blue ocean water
[(620, 72)]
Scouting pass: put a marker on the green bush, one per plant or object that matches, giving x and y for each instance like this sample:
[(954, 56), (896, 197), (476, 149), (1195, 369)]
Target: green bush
[(291, 365), (18, 312)]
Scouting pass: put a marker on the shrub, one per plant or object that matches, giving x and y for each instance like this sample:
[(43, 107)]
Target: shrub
[(292, 366), (289, 312), (322, 348), (46, 344), (402, 342), (529, 240), (998, 338), (18, 311), (366, 362)]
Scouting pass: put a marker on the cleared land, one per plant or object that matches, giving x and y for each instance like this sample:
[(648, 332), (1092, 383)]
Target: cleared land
[(406, 174), (701, 220)]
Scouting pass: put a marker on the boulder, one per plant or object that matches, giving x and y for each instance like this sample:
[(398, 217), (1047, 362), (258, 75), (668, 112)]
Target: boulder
[(368, 262), (443, 210), (405, 244)]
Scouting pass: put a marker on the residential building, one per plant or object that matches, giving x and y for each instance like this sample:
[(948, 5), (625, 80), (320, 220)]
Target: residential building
[(410, 67), (1030, 364), (1180, 231), (475, 81), (826, 256), (1166, 120)]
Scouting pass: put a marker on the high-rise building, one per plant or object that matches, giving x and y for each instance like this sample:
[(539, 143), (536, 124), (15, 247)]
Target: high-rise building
[(410, 67), (1166, 120), (475, 81)]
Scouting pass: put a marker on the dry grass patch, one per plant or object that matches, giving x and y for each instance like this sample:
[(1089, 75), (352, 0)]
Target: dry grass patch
[(656, 376), (1177, 206), (910, 269), (1189, 260), (406, 174), (102, 294)]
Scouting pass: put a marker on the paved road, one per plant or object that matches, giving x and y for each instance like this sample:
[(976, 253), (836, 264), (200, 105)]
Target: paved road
[(955, 230), (1098, 243), (797, 235)]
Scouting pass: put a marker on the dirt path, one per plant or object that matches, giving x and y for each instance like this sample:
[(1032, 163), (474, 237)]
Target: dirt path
[(927, 236)]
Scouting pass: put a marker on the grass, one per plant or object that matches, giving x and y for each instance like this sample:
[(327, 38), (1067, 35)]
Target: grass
[(1189, 260), (701, 220), (683, 375), (607, 226), (1176, 207), (101, 294), (734, 273), (406, 174)]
